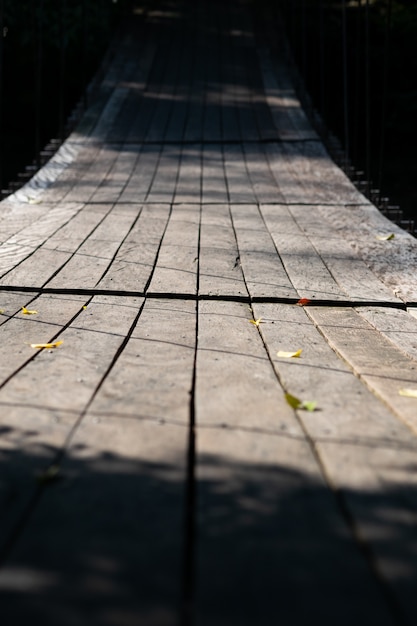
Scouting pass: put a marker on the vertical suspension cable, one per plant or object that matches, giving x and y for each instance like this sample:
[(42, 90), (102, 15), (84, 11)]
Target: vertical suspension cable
[(84, 52), (322, 77), (384, 90), (1, 92), (345, 83), (357, 83), (367, 100), (62, 61), (38, 78)]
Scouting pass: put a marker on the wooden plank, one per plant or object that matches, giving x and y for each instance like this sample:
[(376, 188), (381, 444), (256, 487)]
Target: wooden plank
[(264, 273), (398, 326), (380, 364), (306, 175), (135, 259), (92, 259), (15, 216), (137, 189), (117, 178), (365, 450), (228, 110), (188, 188), (133, 74), (90, 179), (165, 180), (135, 466), (177, 263), (238, 182), (392, 261), (257, 483), (153, 377), (346, 266), (214, 184), (162, 88), (306, 269), (39, 404), (290, 119), (220, 271), (82, 152), (263, 182)]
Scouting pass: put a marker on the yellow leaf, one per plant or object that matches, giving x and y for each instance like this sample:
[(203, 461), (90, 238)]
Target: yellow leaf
[(1, 311), (385, 237), (26, 311), (309, 405), (296, 403), (84, 307), (39, 346), (409, 393), (289, 355), (256, 322), (293, 401)]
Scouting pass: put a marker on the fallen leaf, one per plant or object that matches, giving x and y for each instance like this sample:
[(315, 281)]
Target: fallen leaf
[(296, 403), (292, 401), (409, 393), (32, 200), (1, 311), (309, 405), (303, 302), (289, 355), (48, 475), (256, 322), (26, 311), (84, 307), (39, 346), (385, 237)]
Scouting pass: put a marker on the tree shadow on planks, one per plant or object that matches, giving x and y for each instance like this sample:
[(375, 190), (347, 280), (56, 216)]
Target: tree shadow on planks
[(104, 545)]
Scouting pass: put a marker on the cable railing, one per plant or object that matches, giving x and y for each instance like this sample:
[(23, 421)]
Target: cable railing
[(355, 60), (49, 51)]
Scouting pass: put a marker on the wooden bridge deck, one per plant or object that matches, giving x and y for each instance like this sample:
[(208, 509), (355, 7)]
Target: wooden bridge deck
[(152, 471)]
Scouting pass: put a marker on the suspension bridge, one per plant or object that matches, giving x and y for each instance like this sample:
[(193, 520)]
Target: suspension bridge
[(208, 355)]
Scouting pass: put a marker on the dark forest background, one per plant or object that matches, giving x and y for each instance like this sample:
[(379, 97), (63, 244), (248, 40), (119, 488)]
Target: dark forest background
[(358, 59)]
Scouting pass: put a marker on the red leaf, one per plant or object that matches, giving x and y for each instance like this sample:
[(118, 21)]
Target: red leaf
[(303, 302)]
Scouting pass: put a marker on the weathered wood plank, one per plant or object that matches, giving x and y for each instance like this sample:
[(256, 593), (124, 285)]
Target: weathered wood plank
[(257, 483), (177, 263), (153, 376), (392, 261), (138, 470), (346, 266), (305, 267), (111, 527), (117, 178), (375, 359), (238, 182), (306, 175), (90, 179), (133, 264), (220, 271), (214, 188), (137, 189), (165, 180), (264, 273), (290, 119), (264, 184), (90, 262), (188, 188), (365, 449)]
